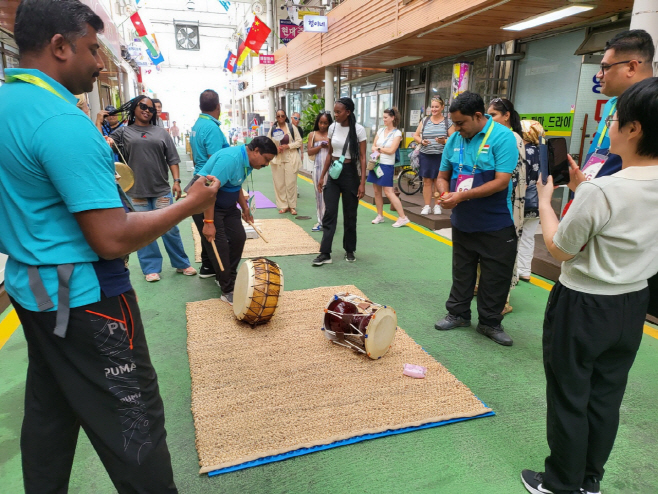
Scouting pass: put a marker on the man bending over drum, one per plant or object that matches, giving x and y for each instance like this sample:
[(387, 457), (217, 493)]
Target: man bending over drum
[(221, 222)]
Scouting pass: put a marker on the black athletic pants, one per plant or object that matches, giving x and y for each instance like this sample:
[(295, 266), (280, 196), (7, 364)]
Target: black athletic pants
[(346, 184), (496, 252), (99, 378), (229, 240), (589, 342)]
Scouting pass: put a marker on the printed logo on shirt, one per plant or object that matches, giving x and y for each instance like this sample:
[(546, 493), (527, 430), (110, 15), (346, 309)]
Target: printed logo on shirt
[(485, 149), (132, 398), (143, 135)]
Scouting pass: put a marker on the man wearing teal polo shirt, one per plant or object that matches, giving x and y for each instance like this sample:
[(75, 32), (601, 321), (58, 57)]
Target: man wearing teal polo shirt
[(475, 182), (206, 138), (221, 223), (65, 230)]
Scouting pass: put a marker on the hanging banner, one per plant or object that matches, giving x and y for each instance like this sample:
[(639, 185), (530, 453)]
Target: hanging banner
[(460, 76), (266, 59), (226, 4), (316, 24), (289, 30)]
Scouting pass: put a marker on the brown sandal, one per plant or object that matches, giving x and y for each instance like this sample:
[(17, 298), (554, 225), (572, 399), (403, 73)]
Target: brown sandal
[(282, 211), (293, 211)]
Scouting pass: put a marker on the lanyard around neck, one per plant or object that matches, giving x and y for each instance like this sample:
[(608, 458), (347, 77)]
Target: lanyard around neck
[(461, 150), (36, 81), (613, 108)]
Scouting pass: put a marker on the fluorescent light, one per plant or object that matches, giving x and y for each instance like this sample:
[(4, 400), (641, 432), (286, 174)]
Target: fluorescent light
[(308, 85), (551, 16), (407, 58)]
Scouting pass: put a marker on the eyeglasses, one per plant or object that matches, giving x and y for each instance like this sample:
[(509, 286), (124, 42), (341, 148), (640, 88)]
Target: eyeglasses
[(502, 102), (609, 120), (281, 116), (145, 107), (295, 118), (607, 66)]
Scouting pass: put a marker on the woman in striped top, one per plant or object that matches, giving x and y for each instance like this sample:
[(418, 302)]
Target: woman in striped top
[(432, 134)]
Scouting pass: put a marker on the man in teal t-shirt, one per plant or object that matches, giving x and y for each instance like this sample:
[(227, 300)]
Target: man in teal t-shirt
[(206, 138), (475, 182), (65, 231), (222, 223)]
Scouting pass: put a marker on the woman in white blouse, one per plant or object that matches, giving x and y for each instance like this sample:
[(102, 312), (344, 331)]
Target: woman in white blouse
[(286, 164), (384, 146)]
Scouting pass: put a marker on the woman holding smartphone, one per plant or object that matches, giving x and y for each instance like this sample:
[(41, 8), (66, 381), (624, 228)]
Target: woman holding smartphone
[(318, 148), (432, 134)]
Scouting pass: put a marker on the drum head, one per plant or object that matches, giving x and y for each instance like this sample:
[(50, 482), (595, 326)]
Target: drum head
[(381, 332), (244, 289)]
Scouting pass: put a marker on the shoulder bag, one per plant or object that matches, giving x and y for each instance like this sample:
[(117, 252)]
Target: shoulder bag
[(337, 166)]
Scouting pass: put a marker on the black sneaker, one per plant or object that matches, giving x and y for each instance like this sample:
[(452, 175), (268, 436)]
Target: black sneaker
[(496, 333), (206, 272), (591, 485), (533, 481), (452, 322), (227, 297), (350, 257), (322, 259)]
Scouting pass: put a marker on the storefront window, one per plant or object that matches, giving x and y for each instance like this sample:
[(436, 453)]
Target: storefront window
[(370, 101)]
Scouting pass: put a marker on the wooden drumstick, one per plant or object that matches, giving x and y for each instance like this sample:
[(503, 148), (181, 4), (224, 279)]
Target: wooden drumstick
[(259, 233), (214, 247)]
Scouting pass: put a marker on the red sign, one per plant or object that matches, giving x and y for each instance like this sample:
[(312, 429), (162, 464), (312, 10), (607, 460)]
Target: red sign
[(266, 59), (288, 30)]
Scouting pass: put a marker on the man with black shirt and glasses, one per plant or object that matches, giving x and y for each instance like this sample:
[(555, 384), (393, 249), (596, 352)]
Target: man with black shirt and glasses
[(66, 230)]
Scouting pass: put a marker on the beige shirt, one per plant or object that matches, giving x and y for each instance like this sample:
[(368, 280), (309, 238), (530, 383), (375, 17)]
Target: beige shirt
[(611, 229), (292, 154)]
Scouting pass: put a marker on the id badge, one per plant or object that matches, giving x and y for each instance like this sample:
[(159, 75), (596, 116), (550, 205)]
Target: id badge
[(379, 172), (594, 165), (464, 183), (251, 202)]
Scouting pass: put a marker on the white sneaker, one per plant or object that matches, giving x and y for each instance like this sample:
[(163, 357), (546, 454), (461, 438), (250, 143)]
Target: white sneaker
[(426, 210), (378, 219), (437, 209), (401, 222)]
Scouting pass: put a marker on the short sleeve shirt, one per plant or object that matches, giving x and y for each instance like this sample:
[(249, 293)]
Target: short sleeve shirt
[(338, 134), (385, 142), (48, 176), (150, 151), (500, 154), (206, 139), (230, 166)]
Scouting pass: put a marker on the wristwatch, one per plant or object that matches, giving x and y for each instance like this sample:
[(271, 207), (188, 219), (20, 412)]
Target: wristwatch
[(177, 180)]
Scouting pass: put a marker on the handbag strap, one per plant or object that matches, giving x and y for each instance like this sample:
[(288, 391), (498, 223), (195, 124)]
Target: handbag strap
[(422, 131)]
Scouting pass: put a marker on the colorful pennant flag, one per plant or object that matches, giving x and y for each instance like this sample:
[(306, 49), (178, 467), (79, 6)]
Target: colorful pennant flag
[(139, 24), (257, 35), (226, 4), (243, 52), (231, 65), (152, 49), (228, 57)]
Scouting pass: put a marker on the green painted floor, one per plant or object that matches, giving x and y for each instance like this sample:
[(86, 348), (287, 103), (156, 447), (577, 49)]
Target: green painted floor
[(410, 272)]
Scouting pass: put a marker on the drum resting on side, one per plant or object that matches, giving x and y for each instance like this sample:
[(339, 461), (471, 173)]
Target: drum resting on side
[(258, 286), (354, 322)]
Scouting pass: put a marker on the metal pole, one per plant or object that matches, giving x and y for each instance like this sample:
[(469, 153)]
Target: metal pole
[(270, 24), (329, 94), (645, 16)]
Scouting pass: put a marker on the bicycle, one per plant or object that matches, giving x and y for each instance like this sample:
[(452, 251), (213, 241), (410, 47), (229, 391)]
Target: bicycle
[(410, 182)]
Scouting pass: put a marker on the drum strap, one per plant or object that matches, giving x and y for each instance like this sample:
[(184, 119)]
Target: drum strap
[(346, 324), (44, 302)]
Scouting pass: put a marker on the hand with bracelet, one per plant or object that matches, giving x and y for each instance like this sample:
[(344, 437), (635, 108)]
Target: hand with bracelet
[(176, 189), (209, 230)]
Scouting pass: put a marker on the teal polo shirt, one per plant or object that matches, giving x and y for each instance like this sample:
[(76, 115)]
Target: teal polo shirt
[(206, 139), (500, 154), (230, 166), (53, 163)]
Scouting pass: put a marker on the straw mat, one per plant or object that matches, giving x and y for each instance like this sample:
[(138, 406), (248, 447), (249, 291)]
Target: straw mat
[(285, 238), (276, 388)]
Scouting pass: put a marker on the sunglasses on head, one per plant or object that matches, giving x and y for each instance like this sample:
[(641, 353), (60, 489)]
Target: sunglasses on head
[(501, 101), (145, 107)]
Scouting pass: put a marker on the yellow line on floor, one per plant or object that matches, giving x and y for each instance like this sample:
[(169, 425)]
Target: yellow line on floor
[(7, 327), (535, 281)]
